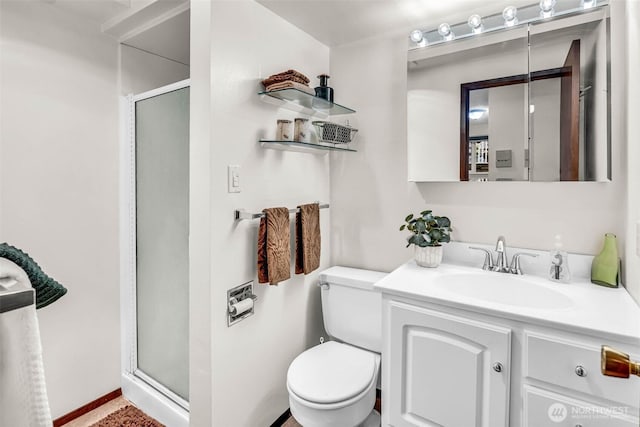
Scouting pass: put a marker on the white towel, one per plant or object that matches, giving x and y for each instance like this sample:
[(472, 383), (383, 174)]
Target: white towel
[(23, 392)]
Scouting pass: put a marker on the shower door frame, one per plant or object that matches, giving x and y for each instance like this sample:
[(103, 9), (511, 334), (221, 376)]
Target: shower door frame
[(148, 394)]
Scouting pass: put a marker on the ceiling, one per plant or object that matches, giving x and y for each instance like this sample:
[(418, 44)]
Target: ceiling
[(98, 11), (169, 39), (332, 22), (337, 22)]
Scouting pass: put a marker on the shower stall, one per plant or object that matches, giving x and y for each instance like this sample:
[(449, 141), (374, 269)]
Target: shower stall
[(155, 248)]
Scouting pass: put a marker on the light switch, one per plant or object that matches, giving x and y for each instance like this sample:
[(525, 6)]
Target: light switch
[(503, 158), (234, 178)]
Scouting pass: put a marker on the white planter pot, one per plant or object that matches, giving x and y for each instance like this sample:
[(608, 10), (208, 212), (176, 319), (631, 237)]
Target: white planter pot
[(430, 256)]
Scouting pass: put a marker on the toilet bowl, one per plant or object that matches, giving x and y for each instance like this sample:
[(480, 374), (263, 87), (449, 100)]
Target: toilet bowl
[(334, 384)]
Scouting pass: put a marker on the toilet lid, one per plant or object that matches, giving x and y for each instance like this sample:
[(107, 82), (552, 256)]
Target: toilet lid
[(331, 372)]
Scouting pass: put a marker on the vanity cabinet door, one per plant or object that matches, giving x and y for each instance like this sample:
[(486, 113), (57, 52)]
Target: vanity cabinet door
[(445, 370)]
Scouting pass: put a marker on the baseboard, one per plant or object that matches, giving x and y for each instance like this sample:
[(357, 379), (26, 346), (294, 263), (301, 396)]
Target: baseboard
[(282, 419), (77, 413)]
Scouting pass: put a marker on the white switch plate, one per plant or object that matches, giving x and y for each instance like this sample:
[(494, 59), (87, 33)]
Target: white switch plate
[(233, 180)]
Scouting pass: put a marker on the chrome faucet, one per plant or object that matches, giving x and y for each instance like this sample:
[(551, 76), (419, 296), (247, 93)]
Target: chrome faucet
[(501, 264)]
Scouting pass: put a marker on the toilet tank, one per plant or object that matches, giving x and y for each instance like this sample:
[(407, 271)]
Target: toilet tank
[(351, 307)]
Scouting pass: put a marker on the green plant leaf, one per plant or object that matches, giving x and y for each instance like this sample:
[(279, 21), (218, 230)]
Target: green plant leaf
[(443, 221), (409, 217), (421, 227), (425, 212), (402, 227)]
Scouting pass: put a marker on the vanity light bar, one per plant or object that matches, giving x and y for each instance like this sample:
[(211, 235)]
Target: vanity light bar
[(510, 17)]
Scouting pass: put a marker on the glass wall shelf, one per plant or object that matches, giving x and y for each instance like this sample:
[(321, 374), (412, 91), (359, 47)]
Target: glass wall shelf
[(306, 147), (299, 101)]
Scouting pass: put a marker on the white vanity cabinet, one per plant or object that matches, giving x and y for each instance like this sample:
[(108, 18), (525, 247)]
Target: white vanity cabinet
[(449, 367), (563, 385), (444, 370)]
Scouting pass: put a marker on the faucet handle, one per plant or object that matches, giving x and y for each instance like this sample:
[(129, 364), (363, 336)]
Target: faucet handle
[(515, 262), (488, 259)]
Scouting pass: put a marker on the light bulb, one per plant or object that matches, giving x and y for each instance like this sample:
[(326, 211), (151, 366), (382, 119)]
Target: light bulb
[(445, 31), (546, 8), (477, 113), (588, 4), (510, 16), (416, 36), (475, 22)]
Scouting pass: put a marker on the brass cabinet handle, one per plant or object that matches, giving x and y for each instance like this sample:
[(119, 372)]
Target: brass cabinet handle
[(615, 363)]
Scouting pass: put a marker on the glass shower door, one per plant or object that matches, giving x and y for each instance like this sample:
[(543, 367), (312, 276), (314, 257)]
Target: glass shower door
[(162, 245)]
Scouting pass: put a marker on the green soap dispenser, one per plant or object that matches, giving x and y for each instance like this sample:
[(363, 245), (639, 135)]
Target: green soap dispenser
[(605, 267)]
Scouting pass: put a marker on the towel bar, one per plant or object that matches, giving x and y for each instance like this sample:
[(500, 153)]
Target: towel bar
[(12, 300), (240, 214)]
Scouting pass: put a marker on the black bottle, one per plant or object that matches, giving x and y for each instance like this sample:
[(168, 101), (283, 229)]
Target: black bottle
[(324, 91)]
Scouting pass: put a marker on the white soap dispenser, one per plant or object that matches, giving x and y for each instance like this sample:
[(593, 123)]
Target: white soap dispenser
[(559, 269)]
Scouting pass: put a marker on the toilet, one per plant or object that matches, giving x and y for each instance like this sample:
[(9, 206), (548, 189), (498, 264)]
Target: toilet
[(334, 384)]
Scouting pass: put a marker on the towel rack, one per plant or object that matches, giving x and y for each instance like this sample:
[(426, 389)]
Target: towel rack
[(240, 214), (12, 300)]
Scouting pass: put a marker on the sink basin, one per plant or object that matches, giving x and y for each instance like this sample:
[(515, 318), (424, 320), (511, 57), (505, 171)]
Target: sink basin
[(504, 289)]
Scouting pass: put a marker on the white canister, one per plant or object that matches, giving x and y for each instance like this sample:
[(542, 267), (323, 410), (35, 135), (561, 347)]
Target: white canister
[(302, 130), (283, 132)]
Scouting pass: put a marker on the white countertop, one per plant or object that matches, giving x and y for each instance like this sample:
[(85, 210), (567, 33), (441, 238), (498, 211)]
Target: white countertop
[(596, 310)]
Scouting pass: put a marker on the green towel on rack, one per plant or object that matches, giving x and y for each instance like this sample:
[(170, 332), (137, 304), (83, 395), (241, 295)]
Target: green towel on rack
[(47, 289)]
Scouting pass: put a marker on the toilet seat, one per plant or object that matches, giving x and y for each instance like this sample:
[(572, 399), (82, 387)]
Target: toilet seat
[(332, 373)]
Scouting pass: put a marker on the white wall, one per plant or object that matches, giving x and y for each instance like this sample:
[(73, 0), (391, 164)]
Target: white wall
[(249, 360), (633, 180), (508, 130), (200, 135), (142, 71), (370, 194), (545, 142), (59, 174)]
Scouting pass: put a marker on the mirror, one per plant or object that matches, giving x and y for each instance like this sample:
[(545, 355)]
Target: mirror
[(524, 104)]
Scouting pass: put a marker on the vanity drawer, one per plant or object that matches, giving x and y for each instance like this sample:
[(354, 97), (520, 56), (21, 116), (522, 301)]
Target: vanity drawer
[(546, 409), (557, 361)]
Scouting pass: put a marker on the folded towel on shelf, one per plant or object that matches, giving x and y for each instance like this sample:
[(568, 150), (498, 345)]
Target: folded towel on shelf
[(290, 85), (47, 289), (274, 251), (307, 238), (270, 81), (287, 75)]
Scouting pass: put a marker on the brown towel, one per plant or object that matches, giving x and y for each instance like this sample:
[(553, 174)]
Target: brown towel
[(271, 80), (289, 84), (307, 238), (287, 75), (274, 251)]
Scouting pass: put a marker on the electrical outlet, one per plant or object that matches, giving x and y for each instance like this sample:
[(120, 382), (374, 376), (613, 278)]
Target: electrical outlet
[(233, 180)]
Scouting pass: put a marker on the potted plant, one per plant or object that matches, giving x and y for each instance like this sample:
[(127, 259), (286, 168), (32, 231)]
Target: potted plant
[(428, 231)]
